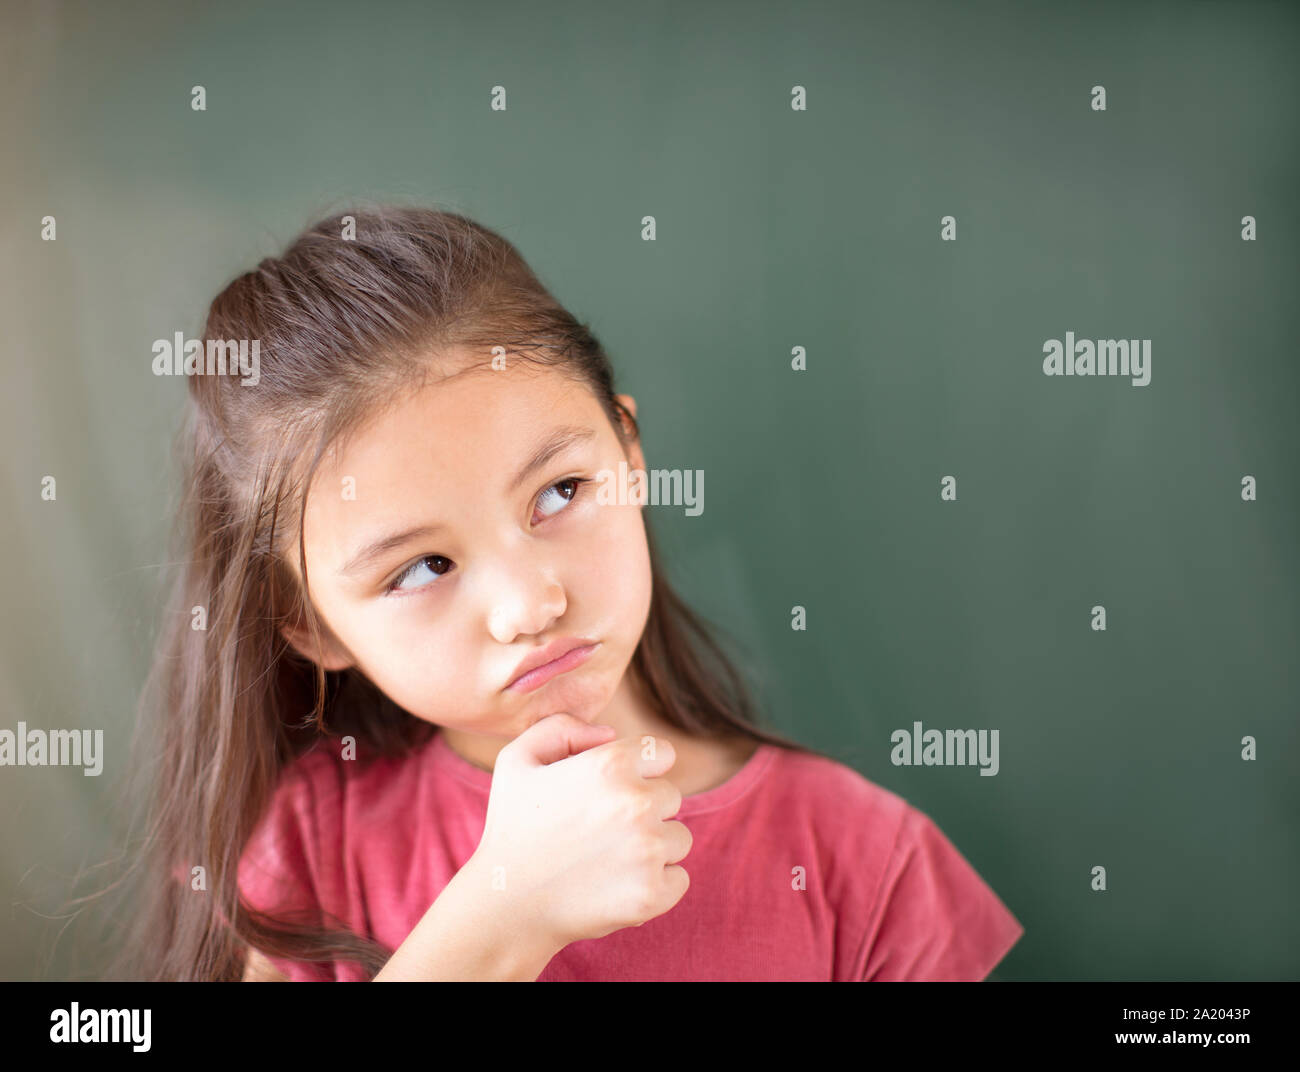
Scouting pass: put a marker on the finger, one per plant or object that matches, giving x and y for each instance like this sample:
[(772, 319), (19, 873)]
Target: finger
[(655, 756), (557, 737)]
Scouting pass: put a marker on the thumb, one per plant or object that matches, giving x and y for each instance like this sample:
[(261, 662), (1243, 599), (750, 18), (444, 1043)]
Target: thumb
[(557, 737)]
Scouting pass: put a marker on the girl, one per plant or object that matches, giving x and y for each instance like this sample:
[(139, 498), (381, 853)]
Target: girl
[(425, 705)]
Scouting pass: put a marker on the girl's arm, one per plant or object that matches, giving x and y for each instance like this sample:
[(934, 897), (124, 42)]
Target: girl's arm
[(467, 935)]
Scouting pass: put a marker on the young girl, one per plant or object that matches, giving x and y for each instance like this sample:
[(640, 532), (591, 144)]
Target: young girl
[(427, 708)]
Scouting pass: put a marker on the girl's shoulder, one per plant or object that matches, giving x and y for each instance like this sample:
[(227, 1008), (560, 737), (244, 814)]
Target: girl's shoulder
[(914, 902), (326, 788), (821, 785), (850, 816), (331, 769)]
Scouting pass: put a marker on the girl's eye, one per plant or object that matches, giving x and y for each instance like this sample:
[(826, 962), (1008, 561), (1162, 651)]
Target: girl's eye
[(559, 499), (427, 569), (419, 573)]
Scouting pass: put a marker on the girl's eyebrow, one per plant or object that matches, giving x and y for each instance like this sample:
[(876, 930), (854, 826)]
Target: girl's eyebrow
[(383, 545), (557, 442)]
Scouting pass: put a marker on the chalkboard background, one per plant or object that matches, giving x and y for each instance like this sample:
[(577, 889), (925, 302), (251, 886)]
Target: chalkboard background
[(776, 228)]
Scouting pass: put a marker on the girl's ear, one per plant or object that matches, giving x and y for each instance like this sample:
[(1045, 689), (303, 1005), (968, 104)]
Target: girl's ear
[(331, 655), (635, 457)]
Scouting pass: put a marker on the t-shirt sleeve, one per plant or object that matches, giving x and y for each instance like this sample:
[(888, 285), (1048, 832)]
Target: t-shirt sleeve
[(934, 919), (278, 869)]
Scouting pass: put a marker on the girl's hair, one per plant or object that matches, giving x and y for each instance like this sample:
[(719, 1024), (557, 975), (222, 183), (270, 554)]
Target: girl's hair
[(343, 323)]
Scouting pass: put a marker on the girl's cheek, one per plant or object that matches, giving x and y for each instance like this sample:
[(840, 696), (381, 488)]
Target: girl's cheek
[(420, 673), (623, 559), (608, 546)]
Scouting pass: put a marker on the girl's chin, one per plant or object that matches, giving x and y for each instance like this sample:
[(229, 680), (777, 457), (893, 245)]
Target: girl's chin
[(537, 716), (582, 696)]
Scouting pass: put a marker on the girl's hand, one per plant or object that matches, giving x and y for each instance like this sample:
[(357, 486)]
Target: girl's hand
[(579, 837)]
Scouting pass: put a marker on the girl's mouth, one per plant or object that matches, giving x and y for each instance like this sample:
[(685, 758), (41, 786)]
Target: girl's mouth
[(539, 676)]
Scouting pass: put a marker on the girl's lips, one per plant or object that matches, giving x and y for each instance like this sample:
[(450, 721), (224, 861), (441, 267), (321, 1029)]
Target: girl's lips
[(541, 675)]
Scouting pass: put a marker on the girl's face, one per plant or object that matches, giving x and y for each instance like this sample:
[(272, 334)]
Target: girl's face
[(450, 538)]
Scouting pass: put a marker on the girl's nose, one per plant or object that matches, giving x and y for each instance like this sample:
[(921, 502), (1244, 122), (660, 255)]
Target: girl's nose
[(523, 599)]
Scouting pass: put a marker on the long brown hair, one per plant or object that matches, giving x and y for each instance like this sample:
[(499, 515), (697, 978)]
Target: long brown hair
[(340, 320)]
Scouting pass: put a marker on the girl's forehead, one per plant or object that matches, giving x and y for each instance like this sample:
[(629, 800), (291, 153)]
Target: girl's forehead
[(478, 413), (500, 403)]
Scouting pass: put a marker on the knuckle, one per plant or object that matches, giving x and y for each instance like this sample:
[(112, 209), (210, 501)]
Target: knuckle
[(649, 849), (610, 762), (674, 798), (645, 905), (605, 772), (631, 806)]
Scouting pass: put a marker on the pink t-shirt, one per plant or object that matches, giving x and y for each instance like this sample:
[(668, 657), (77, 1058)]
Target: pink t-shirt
[(800, 869)]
